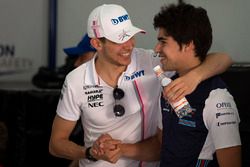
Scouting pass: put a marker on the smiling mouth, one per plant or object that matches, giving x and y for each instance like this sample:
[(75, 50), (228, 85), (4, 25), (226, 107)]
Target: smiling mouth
[(127, 54), (163, 58)]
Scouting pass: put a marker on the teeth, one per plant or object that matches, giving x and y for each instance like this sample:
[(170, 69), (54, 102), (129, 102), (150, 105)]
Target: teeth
[(125, 54)]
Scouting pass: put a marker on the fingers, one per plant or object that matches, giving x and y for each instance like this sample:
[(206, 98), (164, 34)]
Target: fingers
[(180, 87), (103, 138), (96, 149), (110, 152), (105, 141), (104, 144), (110, 144), (98, 146), (113, 156), (175, 91)]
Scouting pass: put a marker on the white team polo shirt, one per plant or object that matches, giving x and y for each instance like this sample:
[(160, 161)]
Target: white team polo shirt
[(85, 94)]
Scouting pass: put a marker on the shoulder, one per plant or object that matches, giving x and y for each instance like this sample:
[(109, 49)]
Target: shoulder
[(76, 77), (220, 101), (215, 82), (207, 86)]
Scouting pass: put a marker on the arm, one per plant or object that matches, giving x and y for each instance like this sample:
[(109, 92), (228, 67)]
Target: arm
[(146, 150), (225, 137), (108, 149), (229, 157), (60, 145), (215, 63)]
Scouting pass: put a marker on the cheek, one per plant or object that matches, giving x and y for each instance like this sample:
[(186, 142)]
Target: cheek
[(166, 51), (111, 49)]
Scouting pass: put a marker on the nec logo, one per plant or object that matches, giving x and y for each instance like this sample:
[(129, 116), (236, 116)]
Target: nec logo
[(136, 74), (120, 19), (96, 104)]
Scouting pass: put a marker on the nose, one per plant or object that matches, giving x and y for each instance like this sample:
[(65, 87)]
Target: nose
[(157, 47)]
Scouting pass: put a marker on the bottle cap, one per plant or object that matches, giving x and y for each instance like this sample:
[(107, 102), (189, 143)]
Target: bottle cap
[(157, 69), (165, 81)]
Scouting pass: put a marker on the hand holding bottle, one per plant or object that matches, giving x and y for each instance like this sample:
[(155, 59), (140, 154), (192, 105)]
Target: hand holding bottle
[(181, 107)]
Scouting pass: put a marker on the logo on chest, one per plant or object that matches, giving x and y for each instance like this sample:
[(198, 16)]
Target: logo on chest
[(94, 97), (95, 100), (136, 74)]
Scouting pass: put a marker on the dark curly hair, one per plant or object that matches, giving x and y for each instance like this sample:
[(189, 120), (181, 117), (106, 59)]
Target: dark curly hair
[(186, 23)]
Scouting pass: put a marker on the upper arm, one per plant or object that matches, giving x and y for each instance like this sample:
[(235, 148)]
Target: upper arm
[(214, 64), (61, 128), (222, 120), (229, 157), (222, 58)]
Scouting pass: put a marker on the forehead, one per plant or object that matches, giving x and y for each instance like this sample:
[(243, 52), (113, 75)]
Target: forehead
[(107, 41), (162, 34), (164, 37)]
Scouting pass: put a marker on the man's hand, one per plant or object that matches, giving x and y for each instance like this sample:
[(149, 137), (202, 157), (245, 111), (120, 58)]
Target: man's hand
[(106, 148), (181, 86)]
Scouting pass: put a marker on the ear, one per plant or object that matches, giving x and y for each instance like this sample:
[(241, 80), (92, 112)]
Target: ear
[(96, 43), (189, 46)]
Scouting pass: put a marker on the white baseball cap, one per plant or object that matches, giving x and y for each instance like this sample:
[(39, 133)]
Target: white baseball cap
[(112, 22)]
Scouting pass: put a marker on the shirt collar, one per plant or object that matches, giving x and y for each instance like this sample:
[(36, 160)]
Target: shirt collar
[(91, 77)]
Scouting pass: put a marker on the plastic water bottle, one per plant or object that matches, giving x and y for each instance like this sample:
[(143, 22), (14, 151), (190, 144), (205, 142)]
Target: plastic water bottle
[(182, 107)]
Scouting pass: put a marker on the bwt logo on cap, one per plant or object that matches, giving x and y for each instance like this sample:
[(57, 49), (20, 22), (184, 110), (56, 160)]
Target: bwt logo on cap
[(120, 19)]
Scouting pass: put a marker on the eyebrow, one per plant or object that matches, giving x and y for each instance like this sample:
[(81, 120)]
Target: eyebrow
[(161, 39)]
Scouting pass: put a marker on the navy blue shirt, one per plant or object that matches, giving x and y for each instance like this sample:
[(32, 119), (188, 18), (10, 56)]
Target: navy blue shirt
[(183, 138)]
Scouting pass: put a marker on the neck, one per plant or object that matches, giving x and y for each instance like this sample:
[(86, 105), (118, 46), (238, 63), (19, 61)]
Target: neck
[(108, 72), (188, 66)]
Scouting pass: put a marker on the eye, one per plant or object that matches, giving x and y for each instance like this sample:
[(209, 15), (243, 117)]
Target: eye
[(163, 42)]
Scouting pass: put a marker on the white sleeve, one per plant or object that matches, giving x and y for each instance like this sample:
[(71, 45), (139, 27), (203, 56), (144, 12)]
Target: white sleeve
[(222, 119), (67, 107)]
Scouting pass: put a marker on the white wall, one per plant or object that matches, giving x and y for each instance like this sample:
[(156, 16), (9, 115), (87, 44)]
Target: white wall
[(23, 28), (229, 19), (231, 26)]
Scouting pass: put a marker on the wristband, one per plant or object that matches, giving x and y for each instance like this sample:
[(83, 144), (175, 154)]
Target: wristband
[(88, 155)]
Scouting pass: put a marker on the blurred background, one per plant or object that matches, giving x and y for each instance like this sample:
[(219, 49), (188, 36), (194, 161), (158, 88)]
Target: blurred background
[(33, 34)]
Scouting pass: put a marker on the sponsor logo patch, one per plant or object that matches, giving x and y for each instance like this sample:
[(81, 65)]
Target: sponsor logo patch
[(136, 74)]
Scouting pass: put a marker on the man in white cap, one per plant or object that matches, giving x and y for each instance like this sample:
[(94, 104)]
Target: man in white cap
[(116, 95)]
